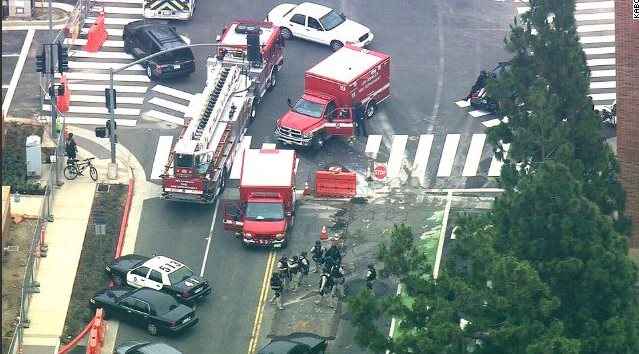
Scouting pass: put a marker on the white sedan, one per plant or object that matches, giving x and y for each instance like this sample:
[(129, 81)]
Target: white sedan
[(318, 23)]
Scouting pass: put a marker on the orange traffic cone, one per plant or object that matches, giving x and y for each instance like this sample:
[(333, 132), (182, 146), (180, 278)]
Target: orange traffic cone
[(307, 189), (324, 234)]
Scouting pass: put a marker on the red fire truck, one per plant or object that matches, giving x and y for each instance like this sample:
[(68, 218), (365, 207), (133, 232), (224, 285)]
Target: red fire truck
[(331, 89), (266, 209), (236, 79)]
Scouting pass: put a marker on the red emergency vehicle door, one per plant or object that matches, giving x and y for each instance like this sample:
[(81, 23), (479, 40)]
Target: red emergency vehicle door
[(233, 214), (341, 122)]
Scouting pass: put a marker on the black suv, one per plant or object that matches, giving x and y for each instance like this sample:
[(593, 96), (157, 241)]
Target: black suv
[(143, 38)]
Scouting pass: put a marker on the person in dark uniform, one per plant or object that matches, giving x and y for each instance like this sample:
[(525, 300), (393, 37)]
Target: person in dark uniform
[(332, 257), (276, 286), (282, 268), (293, 270), (71, 148), (305, 266), (325, 288), (317, 255), (480, 83), (359, 113), (371, 275)]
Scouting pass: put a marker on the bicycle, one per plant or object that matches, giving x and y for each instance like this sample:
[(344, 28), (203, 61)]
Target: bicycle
[(75, 168)]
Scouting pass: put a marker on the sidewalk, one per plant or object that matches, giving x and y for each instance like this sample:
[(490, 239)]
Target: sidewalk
[(65, 238), (41, 20)]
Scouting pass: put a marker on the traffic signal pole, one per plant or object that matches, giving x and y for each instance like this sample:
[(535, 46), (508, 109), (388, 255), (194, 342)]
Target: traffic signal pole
[(113, 166)]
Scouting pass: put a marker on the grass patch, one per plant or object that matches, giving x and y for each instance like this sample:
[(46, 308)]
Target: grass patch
[(97, 251), (14, 160)]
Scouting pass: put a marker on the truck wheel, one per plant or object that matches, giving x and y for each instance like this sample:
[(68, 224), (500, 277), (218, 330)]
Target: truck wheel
[(336, 45), (286, 33), (371, 108)]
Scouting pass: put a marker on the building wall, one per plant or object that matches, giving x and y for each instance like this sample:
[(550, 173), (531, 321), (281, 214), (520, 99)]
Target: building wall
[(627, 60)]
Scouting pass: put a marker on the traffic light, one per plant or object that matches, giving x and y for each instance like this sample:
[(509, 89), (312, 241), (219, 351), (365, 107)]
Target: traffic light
[(41, 64), (108, 127), (63, 58), (60, 90), (107, 98)]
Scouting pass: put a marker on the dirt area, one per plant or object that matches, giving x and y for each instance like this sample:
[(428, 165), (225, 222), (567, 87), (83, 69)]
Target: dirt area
[(97, 251), (13, 267)]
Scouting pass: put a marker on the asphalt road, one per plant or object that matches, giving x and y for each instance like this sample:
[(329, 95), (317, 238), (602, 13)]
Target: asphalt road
[(11, 46), (438, 47)]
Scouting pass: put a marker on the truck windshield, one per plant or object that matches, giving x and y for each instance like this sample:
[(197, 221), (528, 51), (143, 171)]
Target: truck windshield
[(183, 161), (308, 108), (264, 211), (332, 20)]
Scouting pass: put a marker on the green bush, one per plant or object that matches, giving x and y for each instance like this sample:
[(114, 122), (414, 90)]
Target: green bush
[(14, 164)]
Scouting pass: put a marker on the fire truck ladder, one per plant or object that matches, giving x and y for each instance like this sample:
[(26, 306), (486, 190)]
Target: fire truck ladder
[(213, 98)]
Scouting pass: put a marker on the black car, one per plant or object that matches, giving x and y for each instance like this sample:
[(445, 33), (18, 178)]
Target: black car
[(157, 311), (159, 273), (136, 347), (143, 38), (296, 343)]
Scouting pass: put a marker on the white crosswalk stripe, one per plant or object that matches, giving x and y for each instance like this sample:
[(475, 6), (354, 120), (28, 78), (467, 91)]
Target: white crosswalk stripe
[(164, 117), (495, 164), (168, 104), (474, 155), (397, 156), (162, 151), (88, 75), (448, 155), (173, 92), (421, 157)]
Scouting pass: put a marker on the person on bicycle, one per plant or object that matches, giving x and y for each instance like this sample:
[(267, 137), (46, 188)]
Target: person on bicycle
[(71, 148)]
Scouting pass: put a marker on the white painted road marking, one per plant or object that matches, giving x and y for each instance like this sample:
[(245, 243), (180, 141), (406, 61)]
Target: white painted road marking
[(173, 92), (99, 55), (396, 155), (165, 117), (463, 103), (603, 96), (98, 110), (168, 104), (17, 71), (372, 145), (603, 73), (595, 17), (120, 10), (421, 157), (478, 113), (603, 84), (105, 77), (600, 62), (596, 28), (597, 39), (98, 87), (83, 42), (162, 152), (101, 99), (448, 155), (99, 121), (599, 50), (495, 165), (474, 155), (491, 123), (112, 20), (102, 66), (594, 5), (110, 31)]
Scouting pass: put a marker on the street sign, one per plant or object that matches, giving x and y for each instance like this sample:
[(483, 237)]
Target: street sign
[(379, 172)]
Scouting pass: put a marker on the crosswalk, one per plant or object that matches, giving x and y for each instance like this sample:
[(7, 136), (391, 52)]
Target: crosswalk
[(88, 72), (596, 28), (424, 158)]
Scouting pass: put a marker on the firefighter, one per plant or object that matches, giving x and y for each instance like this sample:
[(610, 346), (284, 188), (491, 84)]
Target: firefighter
[(71, 147), (293, 270), (359, 113), (337, 273), (371, 275), (325, 288), (317, 255), (282, 268), (304, 268), (276, 286)]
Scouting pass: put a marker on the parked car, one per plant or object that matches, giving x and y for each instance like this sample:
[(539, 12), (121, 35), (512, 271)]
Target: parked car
[(159, 273), (319, 23), (137, 347), (296, 343), (143, 38), (157, 311)]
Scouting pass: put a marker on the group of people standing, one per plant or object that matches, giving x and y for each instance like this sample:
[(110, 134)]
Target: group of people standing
[(291, 273)]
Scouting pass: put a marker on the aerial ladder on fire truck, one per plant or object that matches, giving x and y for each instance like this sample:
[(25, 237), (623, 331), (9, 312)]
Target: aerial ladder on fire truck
[(203, 156)]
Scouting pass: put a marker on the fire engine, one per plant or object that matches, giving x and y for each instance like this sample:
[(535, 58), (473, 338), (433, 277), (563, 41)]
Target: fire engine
[(237, 77), (169, 9)]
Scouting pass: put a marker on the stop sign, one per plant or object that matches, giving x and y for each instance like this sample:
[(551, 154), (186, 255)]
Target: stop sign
[(379, 171)]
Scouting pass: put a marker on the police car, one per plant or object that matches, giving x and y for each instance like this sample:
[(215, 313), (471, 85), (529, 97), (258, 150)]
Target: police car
[(159, 273)]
